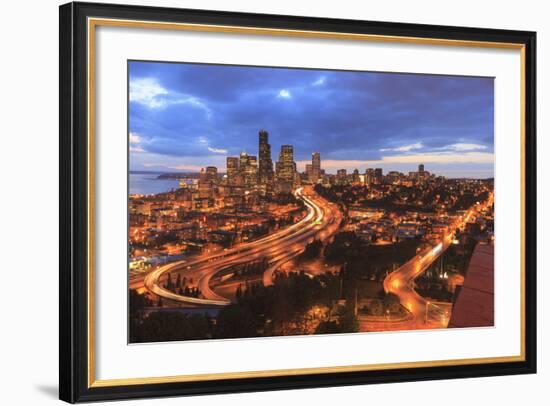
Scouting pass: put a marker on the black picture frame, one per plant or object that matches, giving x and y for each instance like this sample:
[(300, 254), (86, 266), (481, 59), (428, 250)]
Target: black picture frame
[(74, 385)]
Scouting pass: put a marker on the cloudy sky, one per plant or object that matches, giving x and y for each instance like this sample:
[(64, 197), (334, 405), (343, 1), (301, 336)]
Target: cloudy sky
[(187, 116)]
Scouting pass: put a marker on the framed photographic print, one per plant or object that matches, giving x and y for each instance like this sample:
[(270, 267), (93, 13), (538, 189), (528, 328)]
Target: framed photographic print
[(254, 202)]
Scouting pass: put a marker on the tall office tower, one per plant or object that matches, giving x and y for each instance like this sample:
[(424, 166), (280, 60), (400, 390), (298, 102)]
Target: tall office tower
[(285, 170), (393, 177), (278, 167), (369, 176), (211, 173), (341, 176), (243, 161), (232, 170), (265, 169), (315, 167), (422, 175), (356, 179), (286, 165), (206, 182), (252, 171), (253, 161), (202, 174), (309, 172), (378, 175), (248, 169)]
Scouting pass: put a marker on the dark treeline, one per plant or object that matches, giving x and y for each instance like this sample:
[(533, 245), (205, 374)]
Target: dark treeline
[(388, 203), (312, 251), (248, 269), (393, 200), (467, 200), (179, 285), (290, 296), (365, 261), (258, 311), (455, 260)]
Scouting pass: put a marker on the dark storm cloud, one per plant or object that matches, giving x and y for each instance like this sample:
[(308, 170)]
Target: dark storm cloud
[(190, 110)]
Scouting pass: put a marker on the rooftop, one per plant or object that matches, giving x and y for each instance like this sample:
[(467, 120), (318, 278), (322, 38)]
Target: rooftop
[(474, 305)]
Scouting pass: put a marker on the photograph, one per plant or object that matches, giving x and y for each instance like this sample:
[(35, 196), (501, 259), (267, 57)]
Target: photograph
[(285, 201)]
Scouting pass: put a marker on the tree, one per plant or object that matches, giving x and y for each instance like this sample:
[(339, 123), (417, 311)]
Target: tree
[(348, 321), (235, 321), (389, 299), (328, 327), (312, 250), (174, 326), (136, 303), (239, 293), (346, 246), (391, 302), (376, 307)]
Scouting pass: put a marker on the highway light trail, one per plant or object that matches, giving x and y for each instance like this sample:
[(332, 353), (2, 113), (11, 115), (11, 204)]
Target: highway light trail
[(321, 219), (401, 281)]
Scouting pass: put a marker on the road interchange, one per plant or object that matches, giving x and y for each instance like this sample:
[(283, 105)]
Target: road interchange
[(321, 221)]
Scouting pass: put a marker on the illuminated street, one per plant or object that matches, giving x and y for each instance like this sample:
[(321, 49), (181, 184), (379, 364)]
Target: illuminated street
[(320, 222), (426, 313)]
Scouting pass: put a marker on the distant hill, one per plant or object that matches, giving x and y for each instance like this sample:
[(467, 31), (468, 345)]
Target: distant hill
[(170, 175)]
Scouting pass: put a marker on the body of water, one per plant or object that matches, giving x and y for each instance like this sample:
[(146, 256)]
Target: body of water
[(147, 184)]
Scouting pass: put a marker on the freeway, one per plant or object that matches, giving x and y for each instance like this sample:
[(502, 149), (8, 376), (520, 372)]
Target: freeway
[(321, 220), (426, 313), (401, 282)]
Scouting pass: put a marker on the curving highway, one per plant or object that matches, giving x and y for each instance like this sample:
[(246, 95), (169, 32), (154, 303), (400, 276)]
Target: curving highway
[(322, 220), (401, 281)]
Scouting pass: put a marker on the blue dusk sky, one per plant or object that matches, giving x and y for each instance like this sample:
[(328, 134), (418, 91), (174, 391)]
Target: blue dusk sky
[(187, 116)]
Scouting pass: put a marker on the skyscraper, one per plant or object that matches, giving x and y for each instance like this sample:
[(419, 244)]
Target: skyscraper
[(248, 169), (355, 177), (369, 176), (206, 182), (341, 176), (315, 167), (309, 172), (265, 167), (393, 177), (286, 166), (211, 173), (422, 174), (232, 170), (378, 175), (286, 169)]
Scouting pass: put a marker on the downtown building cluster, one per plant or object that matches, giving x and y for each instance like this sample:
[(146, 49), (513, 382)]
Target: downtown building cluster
[(259, 176), (251, 174), (250, 180)]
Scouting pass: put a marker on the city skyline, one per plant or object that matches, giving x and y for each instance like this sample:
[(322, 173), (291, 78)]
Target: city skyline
[(260, 173), (179, 123), (298, 202), (257, 172)]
